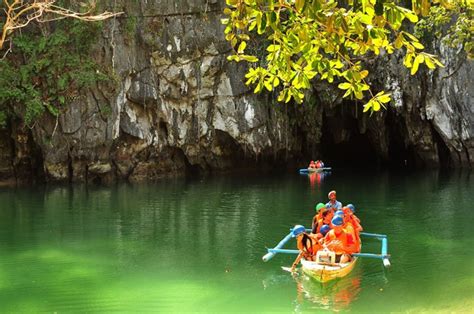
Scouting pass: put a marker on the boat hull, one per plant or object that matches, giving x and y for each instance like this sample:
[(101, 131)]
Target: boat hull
[(311, 170), (314, 170), (324, 273)]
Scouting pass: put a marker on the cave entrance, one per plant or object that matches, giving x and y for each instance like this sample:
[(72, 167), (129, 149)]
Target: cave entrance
[(400, 155), (342, 144)]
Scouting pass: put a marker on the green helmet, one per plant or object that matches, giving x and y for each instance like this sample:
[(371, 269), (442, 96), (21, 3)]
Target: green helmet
[(319, 206)]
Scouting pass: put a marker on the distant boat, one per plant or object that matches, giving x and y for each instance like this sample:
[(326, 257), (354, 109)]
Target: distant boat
[(313, 170)]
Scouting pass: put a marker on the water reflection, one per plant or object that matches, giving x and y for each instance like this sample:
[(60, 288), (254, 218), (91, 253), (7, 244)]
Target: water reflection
[(336, 295), (317, 178)]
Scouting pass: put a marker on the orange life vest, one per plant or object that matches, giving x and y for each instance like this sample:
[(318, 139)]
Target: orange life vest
[(308, 244), (319, 220), (348, 244), (349, 228)]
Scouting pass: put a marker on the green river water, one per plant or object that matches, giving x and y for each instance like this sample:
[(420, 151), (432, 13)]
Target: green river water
[(196, 245)]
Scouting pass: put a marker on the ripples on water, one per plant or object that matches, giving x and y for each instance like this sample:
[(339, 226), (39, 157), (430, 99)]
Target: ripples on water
[(187, 246)]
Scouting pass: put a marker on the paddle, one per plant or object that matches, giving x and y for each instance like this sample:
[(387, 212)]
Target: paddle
[(288, 269)]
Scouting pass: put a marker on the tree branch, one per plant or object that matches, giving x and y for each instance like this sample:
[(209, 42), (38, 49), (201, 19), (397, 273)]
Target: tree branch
[(19, 13)]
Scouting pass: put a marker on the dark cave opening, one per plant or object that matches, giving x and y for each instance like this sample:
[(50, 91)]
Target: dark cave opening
[(231, 153), (342, 144), (444, 155), (400, 155)]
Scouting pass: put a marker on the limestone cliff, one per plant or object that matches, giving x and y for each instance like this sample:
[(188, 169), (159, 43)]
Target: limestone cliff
[(179, 106)]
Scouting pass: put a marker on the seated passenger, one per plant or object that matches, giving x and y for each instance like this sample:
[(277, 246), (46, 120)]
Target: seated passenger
[(323, 219), (308, 244), (350, 209), (340, 241), (317, 216), (312, 165), (349, 227)]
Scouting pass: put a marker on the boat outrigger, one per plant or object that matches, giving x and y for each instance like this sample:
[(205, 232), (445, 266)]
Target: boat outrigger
[(324, 268)]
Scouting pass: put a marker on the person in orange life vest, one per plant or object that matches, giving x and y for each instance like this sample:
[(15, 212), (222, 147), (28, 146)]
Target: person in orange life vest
[(353, 216), (323, 216), (349, 211), (319, 212), (333, 203), (309, 245), (349, 227), (318, 164), (340, 241), (325, 219), (312, 164)]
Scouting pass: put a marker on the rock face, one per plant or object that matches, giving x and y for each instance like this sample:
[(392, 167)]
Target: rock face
[(179, 107)]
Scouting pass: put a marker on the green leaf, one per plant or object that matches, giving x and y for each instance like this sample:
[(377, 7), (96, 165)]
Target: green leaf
[(412, 17), (368, 106), (384, 98), (417, 45), (345, 85), (366, 19), (299, 4), (249, 58), (262, 24), (62, 100), (276, 81), (242, 46), (347, 93), (273, 48), (376, 105), (268, 85), (437, 62), (408, 60), (416, 64), (398, 43), (429, 63)]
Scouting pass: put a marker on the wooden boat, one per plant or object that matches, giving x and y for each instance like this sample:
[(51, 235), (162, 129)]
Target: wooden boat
[(326, 272)]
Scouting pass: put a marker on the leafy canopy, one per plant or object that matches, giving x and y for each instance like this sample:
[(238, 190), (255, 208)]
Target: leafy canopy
[(324, 39)]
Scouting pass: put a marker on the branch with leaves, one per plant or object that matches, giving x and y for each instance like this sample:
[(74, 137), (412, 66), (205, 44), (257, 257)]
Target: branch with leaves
[(326, 40), (19, 13)]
